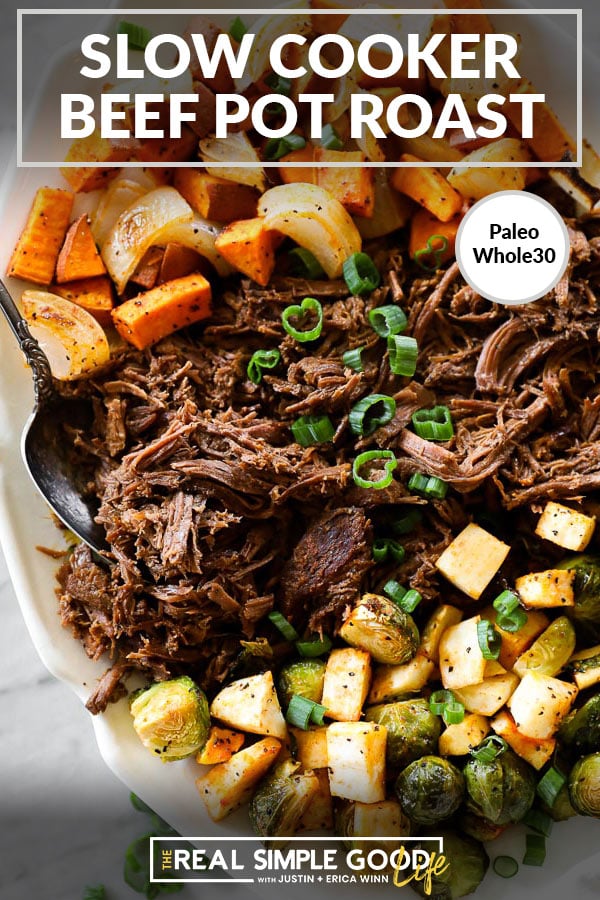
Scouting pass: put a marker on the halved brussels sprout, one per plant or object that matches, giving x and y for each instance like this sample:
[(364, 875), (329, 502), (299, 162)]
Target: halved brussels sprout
[(477, 827), (580, 731), (468, 863), (502, 790), (550, 652), (412, 729), (586, 612), (304, 677), (171, 718), (380, 627), (562, 808), (281, 800), (430, 790), (584, 785)]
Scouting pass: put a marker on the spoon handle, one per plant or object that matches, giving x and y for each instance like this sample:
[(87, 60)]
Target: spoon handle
[(36, 358)]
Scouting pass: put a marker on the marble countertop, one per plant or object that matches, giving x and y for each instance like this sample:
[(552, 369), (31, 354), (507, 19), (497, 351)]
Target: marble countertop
[(51, 850)]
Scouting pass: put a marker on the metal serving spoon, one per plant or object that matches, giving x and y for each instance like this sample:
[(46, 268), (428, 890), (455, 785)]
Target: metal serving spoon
[(43, 446)]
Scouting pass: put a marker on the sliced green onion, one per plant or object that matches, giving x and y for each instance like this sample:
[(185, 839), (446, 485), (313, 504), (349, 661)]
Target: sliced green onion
[(360, 274), (330, 139), (138, 37), (315, 647), (535, 850), (433, 424), (362, 418), (490, 642), (454, 713), (305, 263), (489, 749), (279, 84), (94, 892), (550, 785), (353, 359), (318, 711), (262, 359), (384, 548), (438, 701), (394, 590), (311, 430), (275, 148), (410, 601), (436, 253), (299, 711), (387, 320), (505, 866), (539, 821), (309, 304), (364, 458), (512, 623), (403, 352), (283, 626), (406, 523), (506, 603), (237, 29), (428, 486)]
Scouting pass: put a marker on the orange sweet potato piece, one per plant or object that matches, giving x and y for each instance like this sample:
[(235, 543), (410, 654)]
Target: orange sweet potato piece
[(428, 188), (150, 316), (220, 746), (95, 149), (79, 257), (550, 140), (93, 294), (216, 198), (148, 270), (178, 261), (424, 226), (167, 150), (35, 255), (249, 247), (353, 187), (294, 174)]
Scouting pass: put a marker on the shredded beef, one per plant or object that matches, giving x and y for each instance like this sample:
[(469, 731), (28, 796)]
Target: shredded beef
[(215, 516)]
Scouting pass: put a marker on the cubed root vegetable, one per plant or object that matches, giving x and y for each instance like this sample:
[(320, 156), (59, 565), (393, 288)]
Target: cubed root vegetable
[(535, 751), (356, 754), (514, 643), (216, 198), (35, 255), (540, 703), (319, 812), (428, 188), (230, 784), (390, 682), (490, 695), (79, 257), (251, 704), (311, 747), (443, 617), (474, 182), (549, 140), (220, 746), (346, 683), (566, 527), (546, 590), (461, 660), (459, 739), (585, 666), (167, 151), (177, 261), (93, 294), (353, 187), (423, 228), (98, 150), (250, 247), (148, 269), (294, 174), (472, 559), (147, 318)]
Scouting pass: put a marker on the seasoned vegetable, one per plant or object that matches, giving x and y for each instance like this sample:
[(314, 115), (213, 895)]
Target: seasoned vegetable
[(566, 527), (251, 704), (250, 247), (281, 800), (546, 590), (461, 660), (229, 785), (430, 790), (586, 587), (501, 791), (79, 257), (535, 751), (460, 738), (584, 785), (382, 628), (216, 198), (346, 684), (171, 718), (550, 652), (489, 695), (354, 819), (580, 732), (477, 827), (304, 677), (35, 255), (94, 295), (356, 760), (428, 188), (562, 808), (539, 704), (585, 666), (472, 559), (311, 747), (412, 730), (468, 864)]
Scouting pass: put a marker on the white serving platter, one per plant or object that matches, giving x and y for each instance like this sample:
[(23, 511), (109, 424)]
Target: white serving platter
[(573, 863)]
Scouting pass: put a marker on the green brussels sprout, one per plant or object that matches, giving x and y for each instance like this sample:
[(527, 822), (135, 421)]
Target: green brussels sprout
[(430, 790), (477, 827), (379, 626), (171, 718), (502, 790), (281, 800), (584, 785), (586, 611), (467, 864), (562, 808), (412, 729), (580, 732), (304, 677)]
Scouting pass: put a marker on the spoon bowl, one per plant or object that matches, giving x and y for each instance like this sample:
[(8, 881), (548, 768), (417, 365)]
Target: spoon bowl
[(44, 448)]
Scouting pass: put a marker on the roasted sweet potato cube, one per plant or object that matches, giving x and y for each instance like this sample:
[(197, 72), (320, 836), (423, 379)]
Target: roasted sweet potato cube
[(98, 150), (353, 187), (93, 294), (216, 198), (35, 255), (549, 140), (179, 261), (79, 257), (294, 174), (148, 270), (425, 234), (250, 247), (168, 150), (428, 188), (220, 746)]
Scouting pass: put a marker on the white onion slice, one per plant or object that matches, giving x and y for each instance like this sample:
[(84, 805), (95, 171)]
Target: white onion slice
[(234, 148), (199, 235)]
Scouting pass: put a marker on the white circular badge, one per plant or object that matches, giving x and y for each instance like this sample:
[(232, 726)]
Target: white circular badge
[(512, 247)]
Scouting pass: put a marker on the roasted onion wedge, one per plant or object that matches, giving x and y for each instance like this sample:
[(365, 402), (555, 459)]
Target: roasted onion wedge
[(236, 147), (199, 234), (117, 197), (315, 220), (71, 338)]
